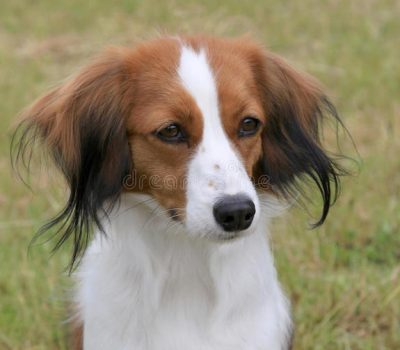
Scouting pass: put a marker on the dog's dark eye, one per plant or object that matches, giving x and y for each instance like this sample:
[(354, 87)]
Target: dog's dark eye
[(171, 133), (248, 126)]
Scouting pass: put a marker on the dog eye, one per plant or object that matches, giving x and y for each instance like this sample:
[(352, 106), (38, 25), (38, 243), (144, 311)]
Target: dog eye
[(248, 126), (172, 133)]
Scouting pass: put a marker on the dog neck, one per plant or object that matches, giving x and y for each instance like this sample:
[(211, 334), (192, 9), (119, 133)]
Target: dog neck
[(161, 254), (162, 278)]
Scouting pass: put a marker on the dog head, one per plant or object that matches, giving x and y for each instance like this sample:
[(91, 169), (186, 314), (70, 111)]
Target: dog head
[(201, 124)]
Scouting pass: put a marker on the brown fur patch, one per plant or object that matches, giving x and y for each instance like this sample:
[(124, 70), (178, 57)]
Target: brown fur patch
[(75, 330), (76, 339), (160, 99), (62, 113), (254, 82)]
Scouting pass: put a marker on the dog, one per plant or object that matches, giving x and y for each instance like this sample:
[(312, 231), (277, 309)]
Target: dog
[(178, 152)]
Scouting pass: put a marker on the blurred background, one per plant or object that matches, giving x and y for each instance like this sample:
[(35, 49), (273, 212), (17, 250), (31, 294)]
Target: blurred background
[(343, 278)]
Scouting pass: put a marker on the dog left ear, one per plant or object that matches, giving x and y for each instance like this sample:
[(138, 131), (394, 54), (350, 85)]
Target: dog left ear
[(295, 107), (82, 124)]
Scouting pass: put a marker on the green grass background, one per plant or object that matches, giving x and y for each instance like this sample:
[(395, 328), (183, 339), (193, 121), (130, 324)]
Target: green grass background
[(344, 278)]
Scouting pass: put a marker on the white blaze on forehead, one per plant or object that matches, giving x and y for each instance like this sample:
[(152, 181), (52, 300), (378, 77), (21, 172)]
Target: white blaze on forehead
[(198, 79)]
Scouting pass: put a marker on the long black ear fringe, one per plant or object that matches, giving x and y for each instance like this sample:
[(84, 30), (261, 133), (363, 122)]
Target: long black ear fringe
[(95, 186), (302, 158)]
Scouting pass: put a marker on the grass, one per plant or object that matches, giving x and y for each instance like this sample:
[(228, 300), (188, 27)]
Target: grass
[(344, 278)]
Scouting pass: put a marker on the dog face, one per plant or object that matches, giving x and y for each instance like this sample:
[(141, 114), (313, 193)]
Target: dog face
[(190, 154), (200, 124)]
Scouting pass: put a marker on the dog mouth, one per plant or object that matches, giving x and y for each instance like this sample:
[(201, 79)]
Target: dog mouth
[(229, 236), (175, 215)]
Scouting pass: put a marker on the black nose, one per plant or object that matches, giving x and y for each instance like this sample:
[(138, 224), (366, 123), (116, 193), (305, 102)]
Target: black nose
[(234, 213)]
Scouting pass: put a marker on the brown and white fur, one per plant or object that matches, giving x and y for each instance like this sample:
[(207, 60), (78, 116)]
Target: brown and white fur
[(157, 142)]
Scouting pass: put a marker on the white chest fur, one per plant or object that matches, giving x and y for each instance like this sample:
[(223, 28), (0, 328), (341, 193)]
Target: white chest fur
[(148, 286)]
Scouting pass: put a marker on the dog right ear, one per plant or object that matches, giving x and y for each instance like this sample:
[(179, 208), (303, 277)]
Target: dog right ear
[(295, 107), (82, 123)]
